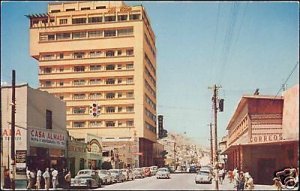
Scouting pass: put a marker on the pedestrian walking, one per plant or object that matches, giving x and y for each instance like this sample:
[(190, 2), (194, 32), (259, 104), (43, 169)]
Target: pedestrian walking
[(68, 180), (248, 182), (230, 176), (7, 181), (46, 176), (54, 178), (241, 182), (38, 179), (28, 178), (220, 175)]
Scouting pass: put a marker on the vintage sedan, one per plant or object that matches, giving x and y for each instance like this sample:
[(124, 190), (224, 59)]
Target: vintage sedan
[(86, 178), (203, 176), (153, 170), (163, 173), (138, 173), (147, 171), (117, 174), (105, 177)]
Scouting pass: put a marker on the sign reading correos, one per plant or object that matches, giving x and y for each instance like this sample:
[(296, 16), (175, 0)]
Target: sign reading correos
[(53, 138)]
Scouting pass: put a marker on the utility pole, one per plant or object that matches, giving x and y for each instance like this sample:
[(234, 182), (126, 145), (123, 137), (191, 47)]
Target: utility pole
[(13, 123), (211, 145), (214, 100)]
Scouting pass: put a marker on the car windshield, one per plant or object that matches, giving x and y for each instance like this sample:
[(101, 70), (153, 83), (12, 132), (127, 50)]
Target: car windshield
[(114, 171), (102, 172), (82, 177), (163, 170), (84, 172), (203, 173)]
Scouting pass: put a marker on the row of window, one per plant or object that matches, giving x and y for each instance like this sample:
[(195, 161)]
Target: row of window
[(150, 127), (91, 54), (150, 76), (150, 102), (86, 34), (149, 63), (120, 123), (82, 82), (92, 96), (94, 67), (149, 88), (150, 115), (149, 45), (106, 109)]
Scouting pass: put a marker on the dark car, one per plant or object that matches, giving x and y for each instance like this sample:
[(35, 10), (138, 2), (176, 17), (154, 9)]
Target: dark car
[(192, 169)]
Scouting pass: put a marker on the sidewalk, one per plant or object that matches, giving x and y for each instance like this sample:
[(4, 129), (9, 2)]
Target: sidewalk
[(230, 186)]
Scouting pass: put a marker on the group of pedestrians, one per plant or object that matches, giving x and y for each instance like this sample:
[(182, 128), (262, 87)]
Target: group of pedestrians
[(242, 180), (36, 178)]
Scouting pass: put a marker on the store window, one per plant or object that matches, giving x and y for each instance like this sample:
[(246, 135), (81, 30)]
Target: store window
[(48, 119)]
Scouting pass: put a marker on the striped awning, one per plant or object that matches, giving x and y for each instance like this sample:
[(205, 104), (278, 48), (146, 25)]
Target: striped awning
[(42, 15)]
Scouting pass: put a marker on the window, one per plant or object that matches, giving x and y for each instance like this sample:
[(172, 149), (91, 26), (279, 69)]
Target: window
[(119, 95), (129, 123), (79, 124), (61, 83), (52, 20), (95, 19), (110, 53), (119, 81), (109, 33), (70, 9), (110, 18), (110, 123), (61, 56), (129, 66), (135, 17), (94, 34), (85, 8), (61, 97), (110, 109), (125, 32), (119, 52), (95, 54), (79, 82), (101, 7), (95, 123), (51, 37), (47, 70), (63, 21), (129, 109), (79, 68), (110, 95), (55, 11), (110, 67), (95, 95), (95, 81), (110, 81), (122, 17), (48, 119), (120, 109), (78, 20), (129, 52), (48, 56), (78, 35), (60, 36), (95, 67), (79, 96), (129, 80), (78, 55), (48, 83), (79, 110), (129, 95), (61, 69)]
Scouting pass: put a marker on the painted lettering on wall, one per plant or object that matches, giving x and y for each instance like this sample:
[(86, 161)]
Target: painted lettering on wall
[(47, 137), (266, 138)]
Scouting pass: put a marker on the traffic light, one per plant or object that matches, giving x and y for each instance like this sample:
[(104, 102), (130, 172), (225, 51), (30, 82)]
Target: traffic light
[(94, 110)]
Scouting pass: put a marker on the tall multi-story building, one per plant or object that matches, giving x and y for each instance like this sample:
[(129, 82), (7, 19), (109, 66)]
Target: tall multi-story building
[(100, 58)]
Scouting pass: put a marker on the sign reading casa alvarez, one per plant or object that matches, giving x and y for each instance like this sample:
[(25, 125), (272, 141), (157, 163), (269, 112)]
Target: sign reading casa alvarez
[(47, 137)]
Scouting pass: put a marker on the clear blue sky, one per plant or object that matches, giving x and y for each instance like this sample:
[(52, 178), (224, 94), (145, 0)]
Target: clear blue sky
[(240, 46)]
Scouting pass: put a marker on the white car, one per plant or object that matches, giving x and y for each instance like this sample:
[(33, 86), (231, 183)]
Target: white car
[(153, 170), (163, 173), (86, 178), (203, 176), (105, 176)]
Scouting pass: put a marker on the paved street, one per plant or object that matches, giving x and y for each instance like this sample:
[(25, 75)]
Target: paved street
[(177, 182)]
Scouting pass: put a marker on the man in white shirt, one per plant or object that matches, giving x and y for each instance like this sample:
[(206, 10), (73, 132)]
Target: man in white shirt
[(54, 178), (38, 179), (46, 176)]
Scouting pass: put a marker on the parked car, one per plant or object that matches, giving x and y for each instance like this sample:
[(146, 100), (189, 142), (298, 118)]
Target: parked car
[(153, 170), (203, 176), (192, 169), (127, 173), (105, 177), (86, 178), (147, 171), (163, 173), (138, 173), (117, 174)]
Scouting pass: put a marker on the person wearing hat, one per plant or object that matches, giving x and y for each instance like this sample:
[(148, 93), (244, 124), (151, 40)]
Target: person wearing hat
[(277, 183)]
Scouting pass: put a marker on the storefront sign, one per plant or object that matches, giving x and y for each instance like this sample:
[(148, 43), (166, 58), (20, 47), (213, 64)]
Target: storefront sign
[(21, 161), (47, 137), (7, 134), (266, 138)]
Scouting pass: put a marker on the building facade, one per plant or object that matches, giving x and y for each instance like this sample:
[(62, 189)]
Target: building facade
[(100, 58), (261, 137), (40, 130)]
